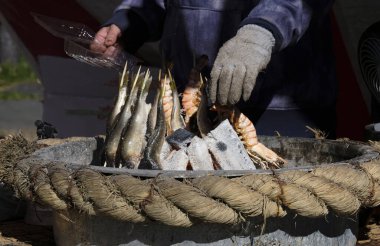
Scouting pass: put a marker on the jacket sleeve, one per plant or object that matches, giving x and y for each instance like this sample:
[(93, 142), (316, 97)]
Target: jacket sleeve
[(287, 20), (147, 15)]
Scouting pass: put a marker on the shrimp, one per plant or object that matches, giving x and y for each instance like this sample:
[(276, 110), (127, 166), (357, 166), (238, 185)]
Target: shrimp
[(260, 154), (172, 106), (192, 94), (167, 102), (245, 129)]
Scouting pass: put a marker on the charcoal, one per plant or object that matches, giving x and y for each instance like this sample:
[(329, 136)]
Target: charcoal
[(199, 157), (181, 138), (227, 149), (177, 160)]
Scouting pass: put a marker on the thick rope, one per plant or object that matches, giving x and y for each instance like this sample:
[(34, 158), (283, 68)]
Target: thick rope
[(196, 203), (145, 195), (334, 196), (105, 197), (65, 186), (339, 188), (239, 197)]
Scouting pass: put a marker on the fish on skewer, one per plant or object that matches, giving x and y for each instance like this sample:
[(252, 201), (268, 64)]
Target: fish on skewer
[(132, 141), (150, 112), (120, 100), (154, 94), (151, 159), (176, 120), (113, 139)]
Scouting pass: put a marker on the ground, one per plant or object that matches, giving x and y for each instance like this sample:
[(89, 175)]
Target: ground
[(17, 233), (369, 235), (373, 236)]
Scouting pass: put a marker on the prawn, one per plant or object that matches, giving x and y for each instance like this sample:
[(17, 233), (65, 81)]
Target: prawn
[(167, 102), (259, 153), (192, 94), (171, 105)]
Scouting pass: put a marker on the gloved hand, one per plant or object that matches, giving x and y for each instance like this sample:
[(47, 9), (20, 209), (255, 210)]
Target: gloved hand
[(238, 63)]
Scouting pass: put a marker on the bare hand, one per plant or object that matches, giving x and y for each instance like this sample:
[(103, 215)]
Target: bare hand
[(105, 40)]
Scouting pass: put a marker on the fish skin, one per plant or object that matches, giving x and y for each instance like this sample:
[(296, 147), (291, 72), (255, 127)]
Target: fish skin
[(151, 159), (165, 151), (154, 94), (113, 139), (176, 121), (133, 141), (120, 101)]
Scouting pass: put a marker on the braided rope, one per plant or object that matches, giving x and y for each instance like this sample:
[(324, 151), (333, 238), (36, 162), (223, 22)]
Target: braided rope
[(338, 188), (208, 199)]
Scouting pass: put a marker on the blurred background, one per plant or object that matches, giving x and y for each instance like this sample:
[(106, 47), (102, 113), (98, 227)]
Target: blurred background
[(21, 91), (38, 81)]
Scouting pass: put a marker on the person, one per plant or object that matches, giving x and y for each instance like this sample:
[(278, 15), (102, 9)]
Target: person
[(271, 58)]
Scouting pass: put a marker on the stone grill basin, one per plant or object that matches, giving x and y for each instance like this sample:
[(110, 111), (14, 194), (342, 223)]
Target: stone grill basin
[(301, 153), (72, 228)]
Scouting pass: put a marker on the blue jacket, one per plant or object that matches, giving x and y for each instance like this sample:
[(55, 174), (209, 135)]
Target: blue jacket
[(301, 72)]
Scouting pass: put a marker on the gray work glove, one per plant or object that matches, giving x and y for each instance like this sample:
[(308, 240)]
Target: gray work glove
[(238, 63)]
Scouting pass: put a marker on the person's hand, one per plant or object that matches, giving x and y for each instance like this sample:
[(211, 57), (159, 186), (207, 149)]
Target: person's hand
[(238, 63), (105, 40)]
